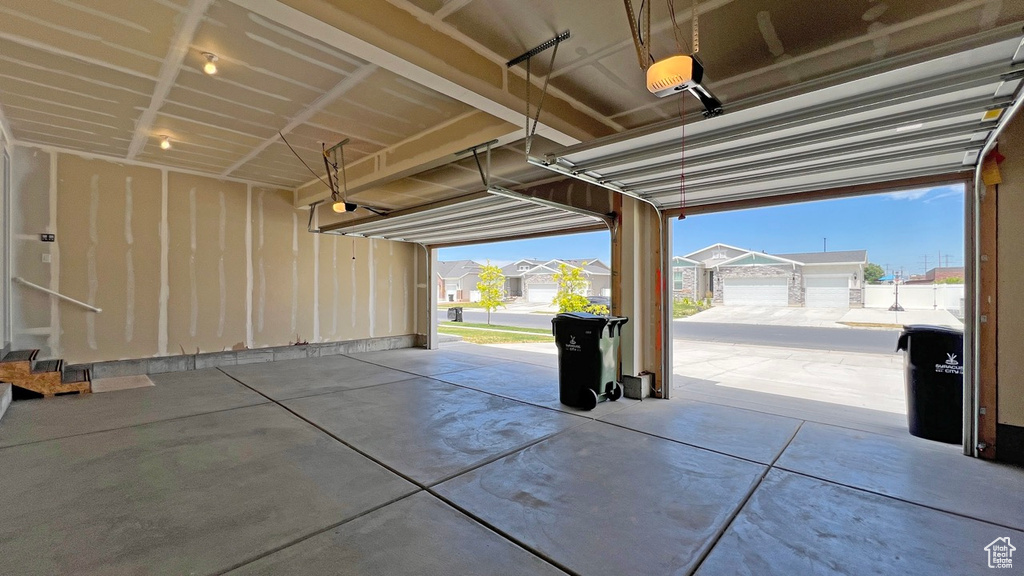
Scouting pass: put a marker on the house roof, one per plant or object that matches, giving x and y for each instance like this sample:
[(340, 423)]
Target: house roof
[(593, 266), (719, 245), (842, 256), (456, 268), (837, 257), (678, 259), (756, 255)]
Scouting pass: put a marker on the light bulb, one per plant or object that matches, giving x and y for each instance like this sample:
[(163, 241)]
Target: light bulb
[(210, 67), (165, 143), (342, 207)]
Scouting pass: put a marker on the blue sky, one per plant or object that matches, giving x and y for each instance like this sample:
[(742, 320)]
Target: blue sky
[(897, 229)]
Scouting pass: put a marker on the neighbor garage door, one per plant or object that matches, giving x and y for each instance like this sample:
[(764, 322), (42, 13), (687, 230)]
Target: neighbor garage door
[(756, 291), (827, 292), (541, 293)]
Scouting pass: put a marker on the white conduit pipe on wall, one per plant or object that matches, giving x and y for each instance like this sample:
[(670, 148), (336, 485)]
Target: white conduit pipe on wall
[(60, 296), (971, 392)]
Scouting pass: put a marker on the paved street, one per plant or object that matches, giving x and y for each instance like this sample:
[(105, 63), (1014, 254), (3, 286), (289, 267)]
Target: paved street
[(838, 339)]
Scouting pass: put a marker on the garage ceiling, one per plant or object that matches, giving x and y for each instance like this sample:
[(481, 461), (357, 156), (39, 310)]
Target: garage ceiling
[(412, 82), (925, 119)]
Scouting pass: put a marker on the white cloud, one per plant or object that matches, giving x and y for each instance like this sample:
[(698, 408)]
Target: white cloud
[(930, 193), (951, 193), (908, 194)]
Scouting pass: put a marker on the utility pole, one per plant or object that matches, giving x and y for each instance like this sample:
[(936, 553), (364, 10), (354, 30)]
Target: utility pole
[(824, 244)]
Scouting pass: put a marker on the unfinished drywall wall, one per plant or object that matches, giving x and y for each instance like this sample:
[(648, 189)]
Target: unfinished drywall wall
[(283, 271), (108, 229), (179, 262), (207, 263), (1010, 267)]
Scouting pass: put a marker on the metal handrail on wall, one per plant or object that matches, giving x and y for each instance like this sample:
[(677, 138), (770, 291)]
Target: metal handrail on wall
[(24, 282)]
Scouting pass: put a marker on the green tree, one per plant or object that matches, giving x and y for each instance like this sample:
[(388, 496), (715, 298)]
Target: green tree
[(873, 273), (951, 280), (492, 288), (571, 286)]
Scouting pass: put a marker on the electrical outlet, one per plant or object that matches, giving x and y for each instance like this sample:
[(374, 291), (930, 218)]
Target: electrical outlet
[(46, 258)]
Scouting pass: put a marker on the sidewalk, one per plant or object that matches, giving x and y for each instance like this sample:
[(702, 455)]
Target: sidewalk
[(823, 317)]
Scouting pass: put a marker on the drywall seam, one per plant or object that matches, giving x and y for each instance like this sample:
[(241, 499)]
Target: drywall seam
[(94, 284), (295, 270), (309, 25), (164, 267), (334, 276), (416, 292), (129, 283), (373, 288), (263, 274), (50, 149), (5, 128), (54, 338), (316, 278), (222, 243), (194, 296), (248, 266), (391, 287), (169, 69), (350, 81), (352, 316)]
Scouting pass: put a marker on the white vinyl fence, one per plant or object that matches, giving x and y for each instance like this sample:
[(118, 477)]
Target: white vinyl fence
[(917, 297)]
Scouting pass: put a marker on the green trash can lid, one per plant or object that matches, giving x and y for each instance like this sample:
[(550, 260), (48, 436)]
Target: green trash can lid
[(588, 317), (580, 317)]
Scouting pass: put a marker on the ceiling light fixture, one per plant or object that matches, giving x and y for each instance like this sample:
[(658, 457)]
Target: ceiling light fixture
[(211, 63), (342, 207), (165, 143)]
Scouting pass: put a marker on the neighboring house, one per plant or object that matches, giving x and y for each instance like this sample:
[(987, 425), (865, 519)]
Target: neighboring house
[(735, 276), (937, 275), (457, 280), (534, 280)]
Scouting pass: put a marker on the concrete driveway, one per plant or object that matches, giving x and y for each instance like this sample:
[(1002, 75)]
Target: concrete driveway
[(856, 390)]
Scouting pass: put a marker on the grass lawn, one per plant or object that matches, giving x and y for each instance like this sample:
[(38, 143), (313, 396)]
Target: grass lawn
[(681, 309), (494, 334), (447, 305)]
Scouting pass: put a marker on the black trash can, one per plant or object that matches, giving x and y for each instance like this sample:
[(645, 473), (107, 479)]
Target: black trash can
[(455, 314), (588, 358), (934, 372)]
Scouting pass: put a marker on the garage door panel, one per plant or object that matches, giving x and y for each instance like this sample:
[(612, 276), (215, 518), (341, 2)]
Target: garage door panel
[(766, 291), (827, 292), (541, 293)]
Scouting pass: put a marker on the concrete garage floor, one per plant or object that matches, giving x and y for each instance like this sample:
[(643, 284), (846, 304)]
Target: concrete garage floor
[(460, 461)]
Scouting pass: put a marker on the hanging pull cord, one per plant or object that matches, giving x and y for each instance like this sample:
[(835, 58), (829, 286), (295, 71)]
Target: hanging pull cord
[(332, 183), (676, 32), (682, 160), (530, 132)]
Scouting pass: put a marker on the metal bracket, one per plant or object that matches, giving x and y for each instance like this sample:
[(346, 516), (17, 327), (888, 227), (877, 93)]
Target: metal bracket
[(538, 49), (526, 56)]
